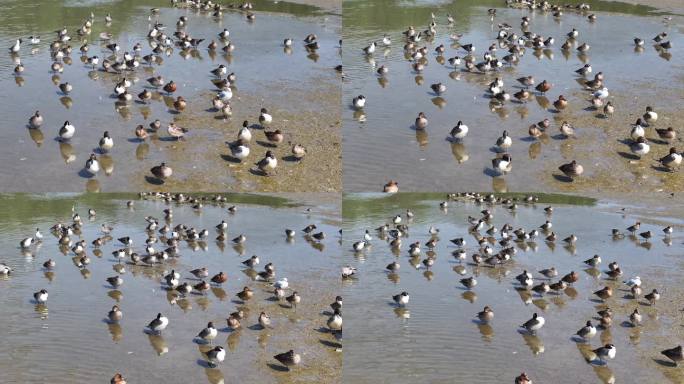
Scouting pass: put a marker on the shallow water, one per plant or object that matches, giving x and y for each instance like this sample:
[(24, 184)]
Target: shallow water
[(265, 73), (434, 339), (380, 143), (68, 341)]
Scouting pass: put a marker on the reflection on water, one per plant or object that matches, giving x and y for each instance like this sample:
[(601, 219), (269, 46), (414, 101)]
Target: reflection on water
[(381, 145), (73, 324), (437, 336)]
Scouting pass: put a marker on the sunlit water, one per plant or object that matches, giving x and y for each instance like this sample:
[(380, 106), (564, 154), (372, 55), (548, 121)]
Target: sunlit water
[(68, 341), (435, 339), (380, 142)]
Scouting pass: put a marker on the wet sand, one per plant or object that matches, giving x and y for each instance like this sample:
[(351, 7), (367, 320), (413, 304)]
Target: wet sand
[(68, 340), (319, 171)]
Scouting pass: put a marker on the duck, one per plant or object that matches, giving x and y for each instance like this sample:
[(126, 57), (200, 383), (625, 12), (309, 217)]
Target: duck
[(584, 70), (607, 351), (638, 42), (334, 322), (584, 47), (115, 281), (92, 165), (469, 282), (219, 278), (179, 104), (421, 121), (36, 120), (587, 332), (67, 131), (16, 47), (460, 131), (265, 117), (245, 294), (438, 88), (156, 81), (652, 297), (567, 130), (251, 262), (298, 151), (118, 379), (486, 315), (504, 142), (668, 134), (158, 324), (638, 129), (276, 137), (368, 50), (239, 150), (220, 71), (523, 95), (561, 103), (401, 299), (170, 87), (502, 164), (288, 359), (66, 88), (393, 267), (523, 379), (106, 142), (391, 187), (141, 132), (640, 147), (534, 131), (454, 61), (155, 125), (534, 324), (115, 315), (209, 333), (268, 163), (216, 355), (608, 109), (293, 299), (176, 131), (41, 296), (650, 116), (672, 160), (635, 317), (572, 169), (225, 95), (604, 293), (161, 171), (382, 70), (601, 93), (359, 102), (543, 87), (5, 269)]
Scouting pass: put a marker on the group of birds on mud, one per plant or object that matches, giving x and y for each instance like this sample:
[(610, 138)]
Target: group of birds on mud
[(497, 247), (198, 281), (124, 64), (514, 45)]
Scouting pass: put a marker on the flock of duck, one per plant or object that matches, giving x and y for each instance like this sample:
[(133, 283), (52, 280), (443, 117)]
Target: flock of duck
[(497, 247), (514, 45), (162, 245), (104, 54)]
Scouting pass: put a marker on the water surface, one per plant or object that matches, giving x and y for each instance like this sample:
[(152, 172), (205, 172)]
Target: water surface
[(380, 143), (268, 76), (68, 340), (434, 339)]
